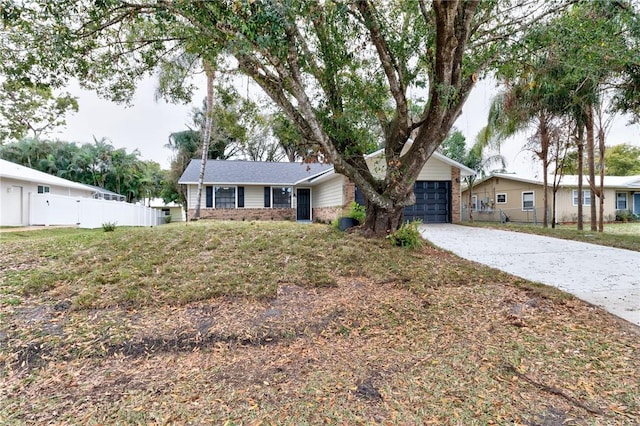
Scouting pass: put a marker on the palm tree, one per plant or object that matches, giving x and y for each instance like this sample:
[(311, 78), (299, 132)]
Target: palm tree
[(523, 105), (206, 137)]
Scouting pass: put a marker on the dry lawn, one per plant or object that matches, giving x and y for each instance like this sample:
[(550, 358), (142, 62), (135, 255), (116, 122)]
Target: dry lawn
[(279, 323), (619, 235)]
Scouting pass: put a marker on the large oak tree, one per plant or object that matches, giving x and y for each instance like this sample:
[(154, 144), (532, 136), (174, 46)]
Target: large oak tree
[(333, 67)]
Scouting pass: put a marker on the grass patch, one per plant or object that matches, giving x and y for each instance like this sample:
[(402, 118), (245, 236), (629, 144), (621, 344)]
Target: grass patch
[(178, 264), (279, 323), (619, 235)]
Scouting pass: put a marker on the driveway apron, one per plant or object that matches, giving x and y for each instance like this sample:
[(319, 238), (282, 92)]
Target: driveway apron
[(604, 276)]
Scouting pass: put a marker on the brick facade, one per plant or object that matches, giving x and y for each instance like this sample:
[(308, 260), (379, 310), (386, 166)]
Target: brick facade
[(455, 195), (246, 214), (348, 193), (326, 214)]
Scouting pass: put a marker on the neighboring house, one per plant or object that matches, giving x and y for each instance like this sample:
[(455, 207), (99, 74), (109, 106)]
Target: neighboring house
[(520, 199), (104, 194), (30, 197), (172, 210), (253, 190), (17, 182), (245, 190)]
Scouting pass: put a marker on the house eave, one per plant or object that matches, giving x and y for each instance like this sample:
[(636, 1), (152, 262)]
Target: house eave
[(464, 170), (318, 177), (241, 183)]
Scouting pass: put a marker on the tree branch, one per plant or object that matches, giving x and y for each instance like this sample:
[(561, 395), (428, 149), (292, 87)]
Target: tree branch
[(389, 65)]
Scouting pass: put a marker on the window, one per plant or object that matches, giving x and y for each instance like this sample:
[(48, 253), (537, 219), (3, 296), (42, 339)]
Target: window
[(586, 198), (501, 198), (528, 201), (43, 189), (166, 212), (621, 201), (225, 197), (281, 198), (474, 202)]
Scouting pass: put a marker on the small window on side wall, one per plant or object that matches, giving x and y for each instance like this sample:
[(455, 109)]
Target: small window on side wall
[(42, 189), (474, 202), (621, 201), (528, 202), (501, 198)]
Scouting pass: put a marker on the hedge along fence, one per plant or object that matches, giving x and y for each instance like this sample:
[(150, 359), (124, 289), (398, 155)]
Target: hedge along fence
[(49, 209)]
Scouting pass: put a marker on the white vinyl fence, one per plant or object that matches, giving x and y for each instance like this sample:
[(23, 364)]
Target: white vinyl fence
[(49, 209)]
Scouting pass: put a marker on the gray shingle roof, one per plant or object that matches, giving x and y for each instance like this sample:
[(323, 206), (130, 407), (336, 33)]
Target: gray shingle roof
[(251, 172)]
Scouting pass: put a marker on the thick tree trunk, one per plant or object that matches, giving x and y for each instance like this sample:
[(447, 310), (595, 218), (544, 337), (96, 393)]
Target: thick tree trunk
[(381, 222), (591, 164)]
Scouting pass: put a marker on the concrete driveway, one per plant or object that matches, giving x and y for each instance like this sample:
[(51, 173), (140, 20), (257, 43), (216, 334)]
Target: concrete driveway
[(604, 276)]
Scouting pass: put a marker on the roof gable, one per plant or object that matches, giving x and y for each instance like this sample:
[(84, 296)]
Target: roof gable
[(464, 170), (241, 172)]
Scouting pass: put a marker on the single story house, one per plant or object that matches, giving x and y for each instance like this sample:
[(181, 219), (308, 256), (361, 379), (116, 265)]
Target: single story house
[(105, 194), (520, 199), (31, 197), (172, 209), (17, 182), (246, 190)]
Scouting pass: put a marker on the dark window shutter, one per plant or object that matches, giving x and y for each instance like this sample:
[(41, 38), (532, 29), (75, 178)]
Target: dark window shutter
[(267, 196), (209, 190), (241, 196)]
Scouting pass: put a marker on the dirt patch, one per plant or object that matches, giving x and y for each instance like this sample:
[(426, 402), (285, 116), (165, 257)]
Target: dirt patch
[(379, 350)]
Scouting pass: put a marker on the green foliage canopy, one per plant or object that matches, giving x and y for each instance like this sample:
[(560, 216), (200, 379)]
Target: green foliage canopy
[(332, 67), (622, 160), (98, 164), (31, 110)]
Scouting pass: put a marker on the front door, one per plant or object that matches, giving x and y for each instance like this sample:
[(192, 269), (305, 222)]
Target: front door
[(636, 203), (303, 210), (12, 207)]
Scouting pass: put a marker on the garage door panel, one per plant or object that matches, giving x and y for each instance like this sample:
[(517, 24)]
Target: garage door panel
[(433, 202)]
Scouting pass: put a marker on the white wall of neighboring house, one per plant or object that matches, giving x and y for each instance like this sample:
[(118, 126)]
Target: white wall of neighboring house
[(30, 197), (173, 210), (14, 203), (14, 198)]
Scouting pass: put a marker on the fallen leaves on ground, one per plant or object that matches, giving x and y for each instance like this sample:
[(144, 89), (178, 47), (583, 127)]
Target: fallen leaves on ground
[(363, 351)]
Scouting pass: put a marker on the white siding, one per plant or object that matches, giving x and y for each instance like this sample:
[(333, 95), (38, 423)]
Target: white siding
[(433, 170), (14, 199), (329, 193), (254, 197), (14, 203)]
